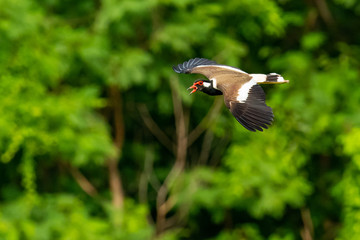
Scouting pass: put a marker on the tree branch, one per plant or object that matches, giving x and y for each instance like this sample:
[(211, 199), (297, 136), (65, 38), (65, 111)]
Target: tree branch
[(147, 176), (83, 182), (324, 12), (164, 205), (155, 129), (307, 232), (119, 136), (206, 147), (207, 121)]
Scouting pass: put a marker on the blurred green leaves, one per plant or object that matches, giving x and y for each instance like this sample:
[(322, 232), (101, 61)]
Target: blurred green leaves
[(313, 40), (66, 217), (266, 186), (59, 61)]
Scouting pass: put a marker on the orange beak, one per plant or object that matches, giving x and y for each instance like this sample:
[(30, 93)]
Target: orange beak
[(194, 89)]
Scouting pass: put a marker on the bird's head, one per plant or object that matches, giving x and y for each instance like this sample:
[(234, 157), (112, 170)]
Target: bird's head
[(200, 85), (205, 86)]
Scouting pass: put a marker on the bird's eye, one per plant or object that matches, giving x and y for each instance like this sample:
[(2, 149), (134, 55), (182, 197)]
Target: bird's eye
[(200, 82)]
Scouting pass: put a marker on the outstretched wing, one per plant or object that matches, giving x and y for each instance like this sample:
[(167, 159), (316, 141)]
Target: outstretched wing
[(211, 69), (249, 108), (188, 66)]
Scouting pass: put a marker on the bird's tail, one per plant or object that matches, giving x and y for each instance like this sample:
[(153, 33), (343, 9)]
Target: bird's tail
[(272, 78)]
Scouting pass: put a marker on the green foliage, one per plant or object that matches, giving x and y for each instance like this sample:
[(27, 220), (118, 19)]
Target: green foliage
[(64, 216), (266, 186), (348, 190), (60, 217), (313, 40), (243, 233), (86, 82)]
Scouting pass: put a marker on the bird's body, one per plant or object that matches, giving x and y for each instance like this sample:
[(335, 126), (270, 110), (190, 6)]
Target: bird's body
[(242, 94)]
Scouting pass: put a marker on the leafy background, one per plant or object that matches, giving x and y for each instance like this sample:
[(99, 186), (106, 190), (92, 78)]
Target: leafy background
[(100, 140)]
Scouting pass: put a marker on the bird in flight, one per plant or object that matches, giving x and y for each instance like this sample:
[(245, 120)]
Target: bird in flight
[(242, 95)]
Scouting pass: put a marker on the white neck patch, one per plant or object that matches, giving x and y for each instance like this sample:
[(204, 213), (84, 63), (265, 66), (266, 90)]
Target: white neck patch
[(214, 83), (206, 84)]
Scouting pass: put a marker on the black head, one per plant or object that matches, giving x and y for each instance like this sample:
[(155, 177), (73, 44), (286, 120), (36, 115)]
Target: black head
[(205, 86)]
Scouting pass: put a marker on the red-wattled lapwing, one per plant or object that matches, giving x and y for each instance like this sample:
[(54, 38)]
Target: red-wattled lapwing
[(242, 94)]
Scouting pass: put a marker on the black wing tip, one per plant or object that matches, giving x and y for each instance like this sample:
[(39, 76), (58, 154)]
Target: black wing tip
[(176, 69), (252, 126), (187, 66), (248, 125), (253, 116)]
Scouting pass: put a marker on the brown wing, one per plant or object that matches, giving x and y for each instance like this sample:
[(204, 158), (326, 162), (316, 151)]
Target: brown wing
[(212, 70)]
